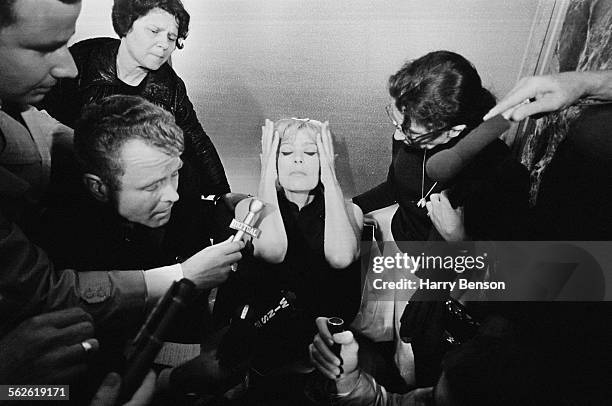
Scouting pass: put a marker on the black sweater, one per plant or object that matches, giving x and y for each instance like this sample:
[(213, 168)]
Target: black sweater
[(493, 189), (96, 61)]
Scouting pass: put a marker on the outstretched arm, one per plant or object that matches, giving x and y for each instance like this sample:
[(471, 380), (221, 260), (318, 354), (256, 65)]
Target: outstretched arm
[(343, 220), (542, 94)]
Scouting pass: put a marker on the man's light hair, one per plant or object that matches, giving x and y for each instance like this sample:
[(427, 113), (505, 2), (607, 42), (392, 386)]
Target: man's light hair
[(106, 126), (7, 14)]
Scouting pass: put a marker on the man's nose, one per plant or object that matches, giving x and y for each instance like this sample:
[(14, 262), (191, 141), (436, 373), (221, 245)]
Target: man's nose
[(63, 64), (170, 194)]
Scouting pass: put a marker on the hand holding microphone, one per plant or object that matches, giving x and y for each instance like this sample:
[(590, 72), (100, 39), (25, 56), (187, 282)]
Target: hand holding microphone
[(246, 227), (210, 267)]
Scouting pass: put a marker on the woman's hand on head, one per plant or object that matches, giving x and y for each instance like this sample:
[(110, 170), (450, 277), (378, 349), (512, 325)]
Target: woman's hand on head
[(325, 146), (269, 147)]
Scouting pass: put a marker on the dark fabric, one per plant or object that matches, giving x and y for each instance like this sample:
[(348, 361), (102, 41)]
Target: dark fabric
[(320, 290), (493, 189), (30, 284), (93, 237), (88, 235), (573, 205), (96, 61), (574, 198)]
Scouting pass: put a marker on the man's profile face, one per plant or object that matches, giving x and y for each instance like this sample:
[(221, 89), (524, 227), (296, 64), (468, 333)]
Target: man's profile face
[(148, 185), (33, 49)]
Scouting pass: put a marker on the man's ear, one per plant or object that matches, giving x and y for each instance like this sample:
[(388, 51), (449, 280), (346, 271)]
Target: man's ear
[(456, 130), (96, 187)]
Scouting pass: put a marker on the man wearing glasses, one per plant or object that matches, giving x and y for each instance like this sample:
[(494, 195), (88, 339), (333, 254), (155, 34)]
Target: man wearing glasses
[(437, 100)]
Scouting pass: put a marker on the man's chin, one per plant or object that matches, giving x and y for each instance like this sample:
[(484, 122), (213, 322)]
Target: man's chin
[(164, 221), (33, 98), (160, 220)]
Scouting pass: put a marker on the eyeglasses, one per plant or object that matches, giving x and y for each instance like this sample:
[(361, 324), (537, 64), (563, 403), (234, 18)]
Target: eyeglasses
[(410, 137)]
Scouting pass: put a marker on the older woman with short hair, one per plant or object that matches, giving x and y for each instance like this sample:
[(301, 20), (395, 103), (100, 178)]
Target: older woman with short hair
[(137, 64)]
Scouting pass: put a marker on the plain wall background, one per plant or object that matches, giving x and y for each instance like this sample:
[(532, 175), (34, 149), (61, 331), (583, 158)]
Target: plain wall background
[(247, 60)]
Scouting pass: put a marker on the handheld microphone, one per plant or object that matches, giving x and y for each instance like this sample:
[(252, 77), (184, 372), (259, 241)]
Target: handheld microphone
[(336, 325), (246, 227), (254, 207), (149, 340), (239, 343), (446, 164), (320, 389)]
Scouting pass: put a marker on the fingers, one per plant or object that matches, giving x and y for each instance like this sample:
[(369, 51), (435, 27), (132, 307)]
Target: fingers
[(268, 136), (331, 371), (144, 394), (344, 338), (62, 318), (524, 90), (228, 246), (324, 352), (529, 109), (329, 141), (439, 201), (275, 142), (321, 148), (323, 330), (324, 141), (444, 198), (233, 258), (74, 333), (74, 354), (108, 392)]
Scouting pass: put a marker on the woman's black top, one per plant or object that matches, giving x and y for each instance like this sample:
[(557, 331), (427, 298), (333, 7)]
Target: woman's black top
[(319, 289)]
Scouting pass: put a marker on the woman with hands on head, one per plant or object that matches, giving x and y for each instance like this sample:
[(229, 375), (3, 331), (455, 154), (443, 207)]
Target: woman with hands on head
[(297, 163), (309, 242)]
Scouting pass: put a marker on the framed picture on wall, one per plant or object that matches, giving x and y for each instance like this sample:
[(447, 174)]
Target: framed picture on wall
[(576, 38)]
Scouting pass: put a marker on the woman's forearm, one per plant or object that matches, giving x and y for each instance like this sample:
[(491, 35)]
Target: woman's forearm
[(342, 229), (271, 246)]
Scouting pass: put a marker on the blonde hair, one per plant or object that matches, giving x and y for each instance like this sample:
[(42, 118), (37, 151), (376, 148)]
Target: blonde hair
[(288, 128)]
